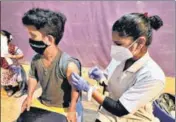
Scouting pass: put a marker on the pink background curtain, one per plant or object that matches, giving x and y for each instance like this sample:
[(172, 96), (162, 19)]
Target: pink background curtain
[(88, 28)]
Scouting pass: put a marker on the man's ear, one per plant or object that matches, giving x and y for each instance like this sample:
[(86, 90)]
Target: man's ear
[(49, 40)]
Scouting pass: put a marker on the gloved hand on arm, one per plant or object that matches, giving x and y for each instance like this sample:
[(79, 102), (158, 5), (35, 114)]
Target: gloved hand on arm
[(82, 85), (112, 106), (79, 83)]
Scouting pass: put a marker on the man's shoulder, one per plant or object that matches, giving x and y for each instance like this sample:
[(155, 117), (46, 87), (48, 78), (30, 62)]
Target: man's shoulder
[(65, 57), (36, 57), (65, 61)]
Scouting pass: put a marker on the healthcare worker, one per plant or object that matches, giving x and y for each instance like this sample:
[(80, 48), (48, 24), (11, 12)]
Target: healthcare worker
[(134, 80)]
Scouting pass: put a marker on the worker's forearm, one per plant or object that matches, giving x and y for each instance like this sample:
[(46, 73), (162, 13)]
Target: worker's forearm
[(98, 96), (31, 87), (112, 106), (74, 99)]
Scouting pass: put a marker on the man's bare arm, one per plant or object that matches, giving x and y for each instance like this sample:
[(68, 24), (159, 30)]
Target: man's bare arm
[(72, 67), (32, 84)]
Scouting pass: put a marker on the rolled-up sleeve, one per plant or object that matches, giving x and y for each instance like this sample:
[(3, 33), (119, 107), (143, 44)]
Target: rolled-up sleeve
[(66, 62)]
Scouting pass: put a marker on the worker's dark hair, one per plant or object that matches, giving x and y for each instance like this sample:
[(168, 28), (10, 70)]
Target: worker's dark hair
[(51, 23), (7, 34), (136, 24)]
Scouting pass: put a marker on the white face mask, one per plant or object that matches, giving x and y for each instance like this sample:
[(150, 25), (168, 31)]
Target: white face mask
[(120, 53)]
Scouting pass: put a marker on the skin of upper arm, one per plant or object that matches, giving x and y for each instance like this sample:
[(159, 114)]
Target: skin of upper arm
[(72, 67)]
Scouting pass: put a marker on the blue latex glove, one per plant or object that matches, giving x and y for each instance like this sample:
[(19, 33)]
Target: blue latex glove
[(95, 73), (79, 83)]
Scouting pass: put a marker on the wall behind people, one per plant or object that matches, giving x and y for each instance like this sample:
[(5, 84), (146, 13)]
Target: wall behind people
[(88, 28)]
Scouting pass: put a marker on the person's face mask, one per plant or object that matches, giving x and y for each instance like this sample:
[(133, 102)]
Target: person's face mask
[(120, 53), (38, 46)]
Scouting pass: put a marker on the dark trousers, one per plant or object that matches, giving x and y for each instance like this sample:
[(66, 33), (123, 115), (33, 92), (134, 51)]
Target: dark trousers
[(40, 115)]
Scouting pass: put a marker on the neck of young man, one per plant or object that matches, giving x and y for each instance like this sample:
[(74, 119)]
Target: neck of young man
[(50, 53)]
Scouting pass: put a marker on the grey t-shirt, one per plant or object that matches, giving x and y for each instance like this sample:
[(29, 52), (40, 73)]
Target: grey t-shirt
[(55, 86)]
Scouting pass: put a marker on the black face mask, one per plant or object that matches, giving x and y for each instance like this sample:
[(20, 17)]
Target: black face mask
[(38, 46)]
